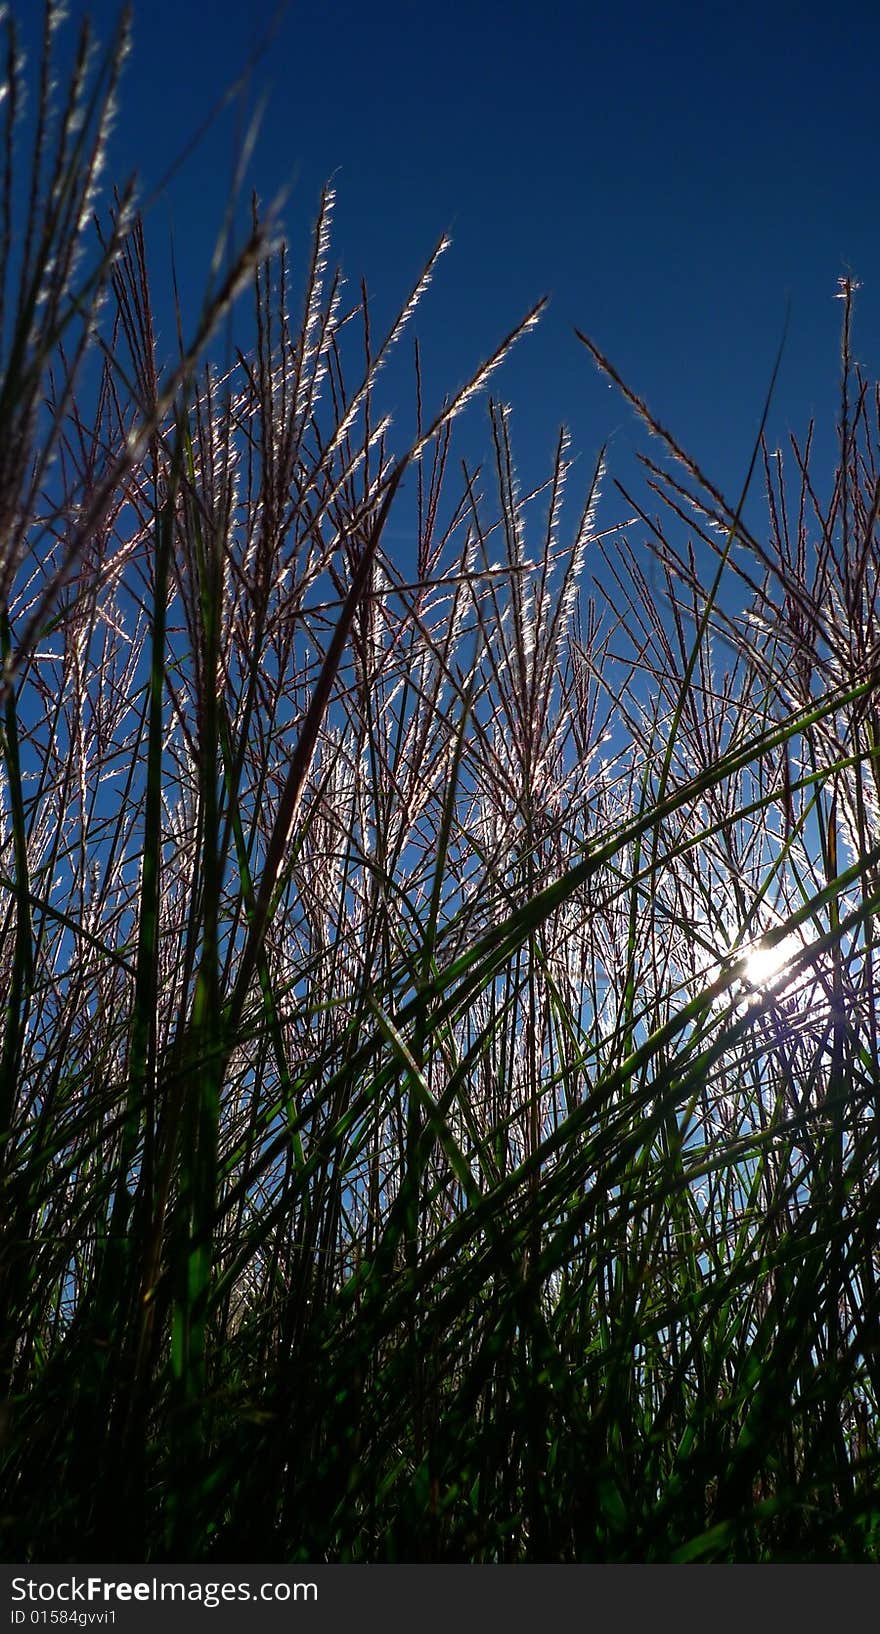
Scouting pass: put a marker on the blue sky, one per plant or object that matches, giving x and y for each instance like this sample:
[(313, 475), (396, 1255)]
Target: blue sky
[(670, 174)]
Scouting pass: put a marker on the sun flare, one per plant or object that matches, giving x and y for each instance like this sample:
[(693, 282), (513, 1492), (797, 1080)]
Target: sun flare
[(765, 966)]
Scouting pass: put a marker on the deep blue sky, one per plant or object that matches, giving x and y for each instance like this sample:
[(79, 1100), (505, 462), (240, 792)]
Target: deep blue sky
[(669, 173)]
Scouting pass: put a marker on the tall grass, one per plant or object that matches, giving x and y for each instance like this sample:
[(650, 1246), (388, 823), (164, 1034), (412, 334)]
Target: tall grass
[(405, 1157)]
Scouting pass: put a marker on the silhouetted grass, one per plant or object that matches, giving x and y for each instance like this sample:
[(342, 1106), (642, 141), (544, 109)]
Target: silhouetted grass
[(405, 1157)]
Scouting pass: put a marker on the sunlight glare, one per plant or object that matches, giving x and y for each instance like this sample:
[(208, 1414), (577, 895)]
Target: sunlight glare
[(764, 965)]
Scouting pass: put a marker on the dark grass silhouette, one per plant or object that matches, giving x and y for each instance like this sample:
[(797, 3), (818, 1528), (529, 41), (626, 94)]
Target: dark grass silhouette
[(405, 1157)]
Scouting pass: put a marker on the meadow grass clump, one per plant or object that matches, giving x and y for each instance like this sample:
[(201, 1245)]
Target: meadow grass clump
[(439, 1058)]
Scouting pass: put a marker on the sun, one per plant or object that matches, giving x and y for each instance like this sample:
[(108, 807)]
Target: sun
[(765, 966)]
